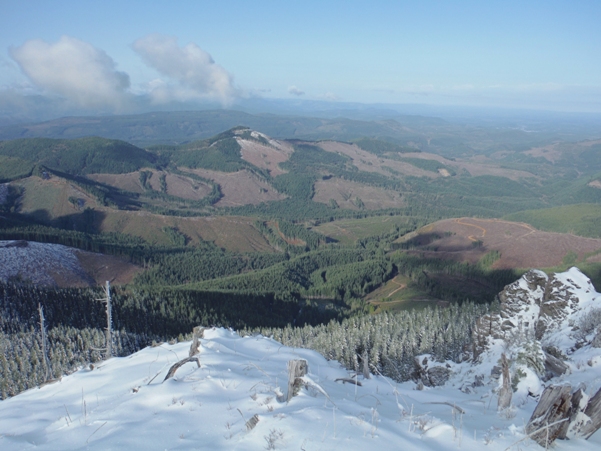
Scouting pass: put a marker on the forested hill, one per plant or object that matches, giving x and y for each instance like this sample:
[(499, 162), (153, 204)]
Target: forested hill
[(79, 156)]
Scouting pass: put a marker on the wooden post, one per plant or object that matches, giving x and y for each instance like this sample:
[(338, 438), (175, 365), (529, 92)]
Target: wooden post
[(296, 370)]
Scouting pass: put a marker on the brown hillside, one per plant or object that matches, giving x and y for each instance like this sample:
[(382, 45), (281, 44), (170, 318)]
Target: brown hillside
[(128, 182), (520, 245), (177, 185), (365, 161), (266, 157), (345, 193), (368, 162), (239, 188)]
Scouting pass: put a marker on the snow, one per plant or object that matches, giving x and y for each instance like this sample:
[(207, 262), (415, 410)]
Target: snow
[(38, 262), (123, 403)]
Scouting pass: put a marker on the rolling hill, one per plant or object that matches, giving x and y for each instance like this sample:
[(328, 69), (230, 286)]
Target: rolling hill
[(253, 202)]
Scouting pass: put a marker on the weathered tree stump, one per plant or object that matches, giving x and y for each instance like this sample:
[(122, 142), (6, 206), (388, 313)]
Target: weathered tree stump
[(555, 405), (296, 370), (593, 411), (577, 420), (563, 414)]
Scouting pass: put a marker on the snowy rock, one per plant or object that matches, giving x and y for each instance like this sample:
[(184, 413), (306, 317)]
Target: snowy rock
[(430, 375), (539, 307)]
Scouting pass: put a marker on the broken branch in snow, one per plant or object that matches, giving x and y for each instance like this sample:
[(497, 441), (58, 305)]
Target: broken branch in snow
[(179, 364), (346, 380)]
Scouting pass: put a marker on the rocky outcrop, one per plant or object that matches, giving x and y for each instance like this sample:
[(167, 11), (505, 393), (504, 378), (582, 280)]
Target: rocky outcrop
[(429, 373), (534, 307)]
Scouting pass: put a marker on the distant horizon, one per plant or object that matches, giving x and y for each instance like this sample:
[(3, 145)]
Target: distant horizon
[(320, 108), (86, 58)]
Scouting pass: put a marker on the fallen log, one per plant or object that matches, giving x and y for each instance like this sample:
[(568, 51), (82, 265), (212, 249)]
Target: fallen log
[(346, 380)]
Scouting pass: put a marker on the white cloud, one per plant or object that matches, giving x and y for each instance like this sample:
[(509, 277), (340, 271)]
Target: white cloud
[(193, 70), (75, 70), (296, 91)]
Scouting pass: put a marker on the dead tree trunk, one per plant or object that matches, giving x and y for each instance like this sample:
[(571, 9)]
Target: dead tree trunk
[(505, 392), (365, 359), (44, 341), (197, 333), (296, 370), (108, 332), (109, 321)]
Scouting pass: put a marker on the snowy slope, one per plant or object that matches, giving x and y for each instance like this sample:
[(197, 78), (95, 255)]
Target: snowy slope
[(123, 404)]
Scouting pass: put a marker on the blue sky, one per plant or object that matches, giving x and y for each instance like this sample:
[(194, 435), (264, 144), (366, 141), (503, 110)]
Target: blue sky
[(129, 56)]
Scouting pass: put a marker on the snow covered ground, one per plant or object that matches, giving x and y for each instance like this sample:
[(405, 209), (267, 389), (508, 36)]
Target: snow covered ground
[(124, 404), (39, 263)]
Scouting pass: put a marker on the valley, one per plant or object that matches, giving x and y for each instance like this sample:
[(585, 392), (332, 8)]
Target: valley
[(243, 229)]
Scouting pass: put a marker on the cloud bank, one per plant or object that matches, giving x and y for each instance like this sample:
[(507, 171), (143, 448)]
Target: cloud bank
[(192, 72), (73, 69), (74, 77)]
